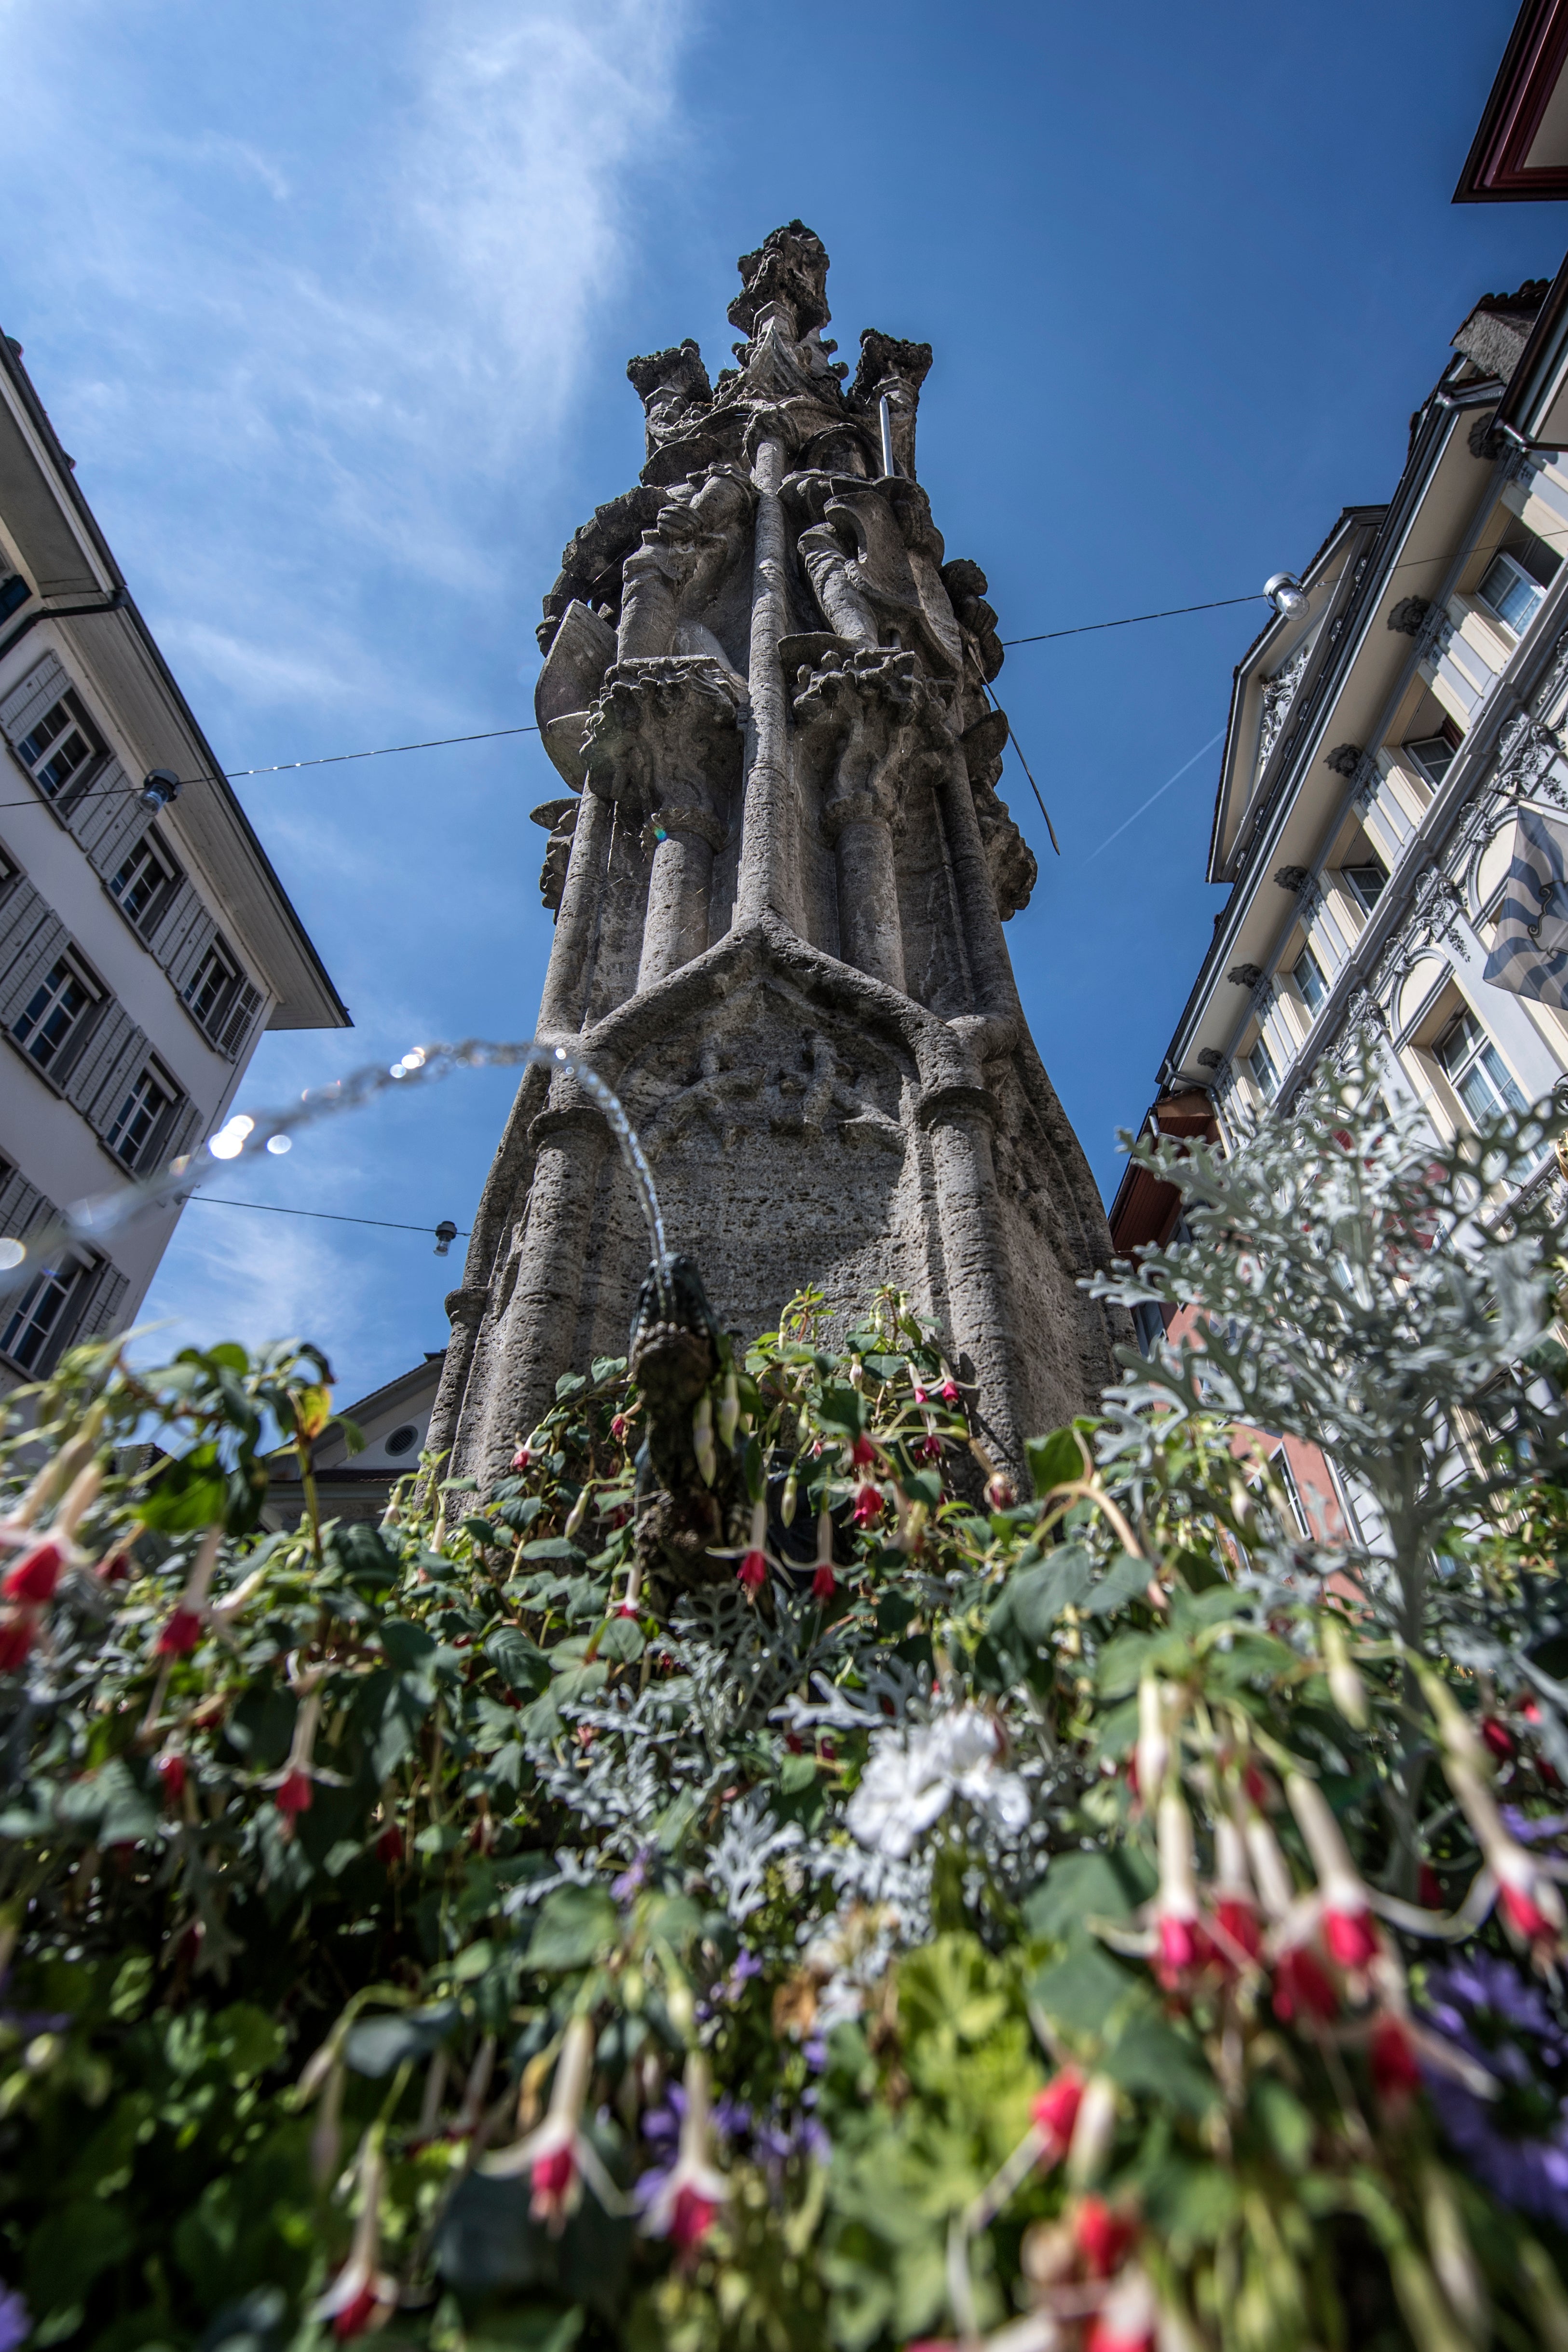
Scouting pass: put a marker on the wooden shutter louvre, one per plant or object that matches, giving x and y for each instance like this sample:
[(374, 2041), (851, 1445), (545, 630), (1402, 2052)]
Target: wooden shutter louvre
[(169, 933), (109, 819), (22, 1206), (97, 1305), (237, 1025), (183, 1133), (105, 1068), (26, 704), (47, 941), (20, 916), (183, 968)]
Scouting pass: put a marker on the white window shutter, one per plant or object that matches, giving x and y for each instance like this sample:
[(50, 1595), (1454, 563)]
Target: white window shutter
[(108, 818), (236, 1027), (26, 703), (46, 939)]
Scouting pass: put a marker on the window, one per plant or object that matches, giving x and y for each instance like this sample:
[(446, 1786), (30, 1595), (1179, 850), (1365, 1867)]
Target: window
[(141, 1115), (143, 883), (1366, 880), (1476, 1070), (55, 1013), (14, 594), (1307, 975), (42, 1314), (1510, 593), (62, 749), (1260, 1062), (210, 987), (1433, 755)]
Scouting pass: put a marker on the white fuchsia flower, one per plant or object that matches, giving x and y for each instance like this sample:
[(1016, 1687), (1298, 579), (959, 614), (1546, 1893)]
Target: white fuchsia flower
[(559, 2156), (684, 2202), (913, 1775)]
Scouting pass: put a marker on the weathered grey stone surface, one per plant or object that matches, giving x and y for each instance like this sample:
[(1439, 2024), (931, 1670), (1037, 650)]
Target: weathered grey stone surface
[(780, 874)]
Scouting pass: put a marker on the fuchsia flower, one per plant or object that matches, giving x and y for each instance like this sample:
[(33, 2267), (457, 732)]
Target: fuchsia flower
[(18, 1632), (1103, 2236), (522, 1457), (1000, 1492), (868, 1505), (618, 1426), (1395, 2068), (179, 1634), (929, 1448), (1350, 1930), (294, 1795), (183, 1631), (1302, 1988), (823, 1583), (1129, 2318), (362, 2296), (293, 1783), (1235, 1906), (1055, 2113), (559, 2156), (683, 2203), (1183, 1944), (948, 1392), (862, 1454), (35, 1575), (753, 1569), (171, 1775)]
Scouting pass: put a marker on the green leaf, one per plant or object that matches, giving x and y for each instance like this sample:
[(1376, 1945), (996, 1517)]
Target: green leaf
[(844, 1407), (1285, 2124), (798, 1772), (1127, 1579), (622, 1641), (570, 1384), (519, 1662), (574, 1925), (359, 1551), (1054, 1461), (554, 1547), (406, 1643), (1080, 1886), (189, 1493), (606, 1368), (1081, 1991), (1033, 1598), (377, 2044), (1151, 2056)]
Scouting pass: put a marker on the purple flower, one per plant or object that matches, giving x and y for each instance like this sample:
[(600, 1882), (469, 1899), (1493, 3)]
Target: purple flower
[(1518, 2142), (634, 1878), (15, 2319), (732, 2117), (1529, 1832)]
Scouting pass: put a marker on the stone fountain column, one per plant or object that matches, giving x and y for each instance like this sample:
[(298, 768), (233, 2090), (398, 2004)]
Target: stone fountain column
[(664, 740), (879, 718)]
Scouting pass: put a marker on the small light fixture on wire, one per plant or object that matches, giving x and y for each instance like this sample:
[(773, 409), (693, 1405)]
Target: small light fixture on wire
[(446, 1235), (159, 787), (1286, 596)]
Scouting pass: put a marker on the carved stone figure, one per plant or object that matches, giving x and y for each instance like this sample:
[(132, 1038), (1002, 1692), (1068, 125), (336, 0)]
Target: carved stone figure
[(780, 881)]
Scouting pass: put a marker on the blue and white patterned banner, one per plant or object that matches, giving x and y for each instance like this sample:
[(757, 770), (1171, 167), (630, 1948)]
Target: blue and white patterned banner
[(1530, 956)]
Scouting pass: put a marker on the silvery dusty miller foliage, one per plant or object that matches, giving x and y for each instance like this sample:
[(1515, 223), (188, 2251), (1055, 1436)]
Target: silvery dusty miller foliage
[(1086, 1922)]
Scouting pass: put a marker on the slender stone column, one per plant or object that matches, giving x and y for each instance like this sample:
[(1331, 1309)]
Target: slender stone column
[(676, 928), (870, 935), (546, 1294), (563, 1003), (990, 965), (962, 1121), (767, 819)]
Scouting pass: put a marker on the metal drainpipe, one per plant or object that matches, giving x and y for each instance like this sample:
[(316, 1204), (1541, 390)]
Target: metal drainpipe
[(116, 602)]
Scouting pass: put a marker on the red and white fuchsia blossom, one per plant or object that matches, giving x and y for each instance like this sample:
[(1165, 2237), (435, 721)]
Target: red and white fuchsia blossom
[(1350, 1930), (181, 1633), (685, 2201), (1055, 2113), (294, 1783), (1181, 1943), (753, 1569), (363, 2296), (558, 2157)]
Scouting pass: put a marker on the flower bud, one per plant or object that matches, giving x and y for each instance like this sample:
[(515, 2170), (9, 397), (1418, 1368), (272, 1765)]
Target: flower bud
[(1152, 1752), (790, 1499), (1094, 2132), (729, 1410), (579, 1511), (1346, 1687), (702, 1439)]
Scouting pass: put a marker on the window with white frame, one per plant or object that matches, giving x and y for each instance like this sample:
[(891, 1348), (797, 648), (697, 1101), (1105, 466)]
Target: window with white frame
[(1431, 755), (1518, 577), (210, 989), (1260, 1062), (1366, 879), (1476, 1070), (143, 883), (62, 749), (55, 1015), (43, 1313), (1307, 975), (142, 1116)]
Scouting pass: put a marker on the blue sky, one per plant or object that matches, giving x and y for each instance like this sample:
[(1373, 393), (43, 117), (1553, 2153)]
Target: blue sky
[(332, 303)]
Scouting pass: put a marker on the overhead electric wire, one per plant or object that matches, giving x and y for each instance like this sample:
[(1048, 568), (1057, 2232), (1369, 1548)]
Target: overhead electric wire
[(328, 1216)]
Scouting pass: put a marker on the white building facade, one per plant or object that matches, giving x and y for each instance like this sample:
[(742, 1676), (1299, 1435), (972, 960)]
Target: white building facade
[(145, 941), (1388, 733)]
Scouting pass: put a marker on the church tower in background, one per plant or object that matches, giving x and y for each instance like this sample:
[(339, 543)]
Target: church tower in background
[(780, 870)]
